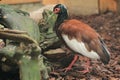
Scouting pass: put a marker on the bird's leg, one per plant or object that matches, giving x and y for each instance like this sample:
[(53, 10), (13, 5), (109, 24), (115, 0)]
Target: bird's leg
[(86, 66), (71, 64)]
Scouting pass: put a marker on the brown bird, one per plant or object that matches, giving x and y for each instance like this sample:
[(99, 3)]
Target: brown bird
[(79, 37)]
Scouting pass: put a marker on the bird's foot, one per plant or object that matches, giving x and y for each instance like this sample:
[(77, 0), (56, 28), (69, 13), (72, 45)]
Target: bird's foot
[(65, 69), (86, 66), (86, 69), (72, 63)]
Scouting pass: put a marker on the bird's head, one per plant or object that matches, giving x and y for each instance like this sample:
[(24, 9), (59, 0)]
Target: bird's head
[(60, 9)]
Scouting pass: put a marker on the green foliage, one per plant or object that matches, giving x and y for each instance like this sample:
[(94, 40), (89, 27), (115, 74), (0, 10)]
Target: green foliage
[(25, 54), (14, 19)]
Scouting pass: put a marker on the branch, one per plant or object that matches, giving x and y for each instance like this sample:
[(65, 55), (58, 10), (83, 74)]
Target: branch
[(16, 35)]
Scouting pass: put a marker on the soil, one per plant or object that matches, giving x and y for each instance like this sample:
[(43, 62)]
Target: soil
[(108, 26)]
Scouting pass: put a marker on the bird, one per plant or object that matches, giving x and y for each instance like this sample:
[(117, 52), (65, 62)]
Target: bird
[(79, 37)]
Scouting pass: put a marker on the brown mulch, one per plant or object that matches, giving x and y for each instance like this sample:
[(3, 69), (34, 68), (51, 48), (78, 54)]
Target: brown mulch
[(108, 26)]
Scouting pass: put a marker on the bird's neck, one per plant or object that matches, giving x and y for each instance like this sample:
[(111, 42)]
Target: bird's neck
[(60, 20)]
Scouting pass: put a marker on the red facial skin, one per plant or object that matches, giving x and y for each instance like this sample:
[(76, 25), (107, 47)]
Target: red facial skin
[(56, 10)]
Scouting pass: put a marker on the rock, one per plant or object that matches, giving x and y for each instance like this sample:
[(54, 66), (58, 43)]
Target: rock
[(37, 15)]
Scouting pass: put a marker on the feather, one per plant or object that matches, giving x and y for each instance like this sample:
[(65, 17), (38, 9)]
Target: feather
[(83, 35)]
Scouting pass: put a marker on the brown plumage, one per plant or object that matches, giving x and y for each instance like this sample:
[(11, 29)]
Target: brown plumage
[(83, 33)]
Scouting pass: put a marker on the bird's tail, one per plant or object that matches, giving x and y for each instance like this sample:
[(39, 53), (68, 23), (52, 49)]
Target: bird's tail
[(105, 51)]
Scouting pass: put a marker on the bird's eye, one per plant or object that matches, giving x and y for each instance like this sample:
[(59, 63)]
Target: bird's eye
[(56, 10)]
